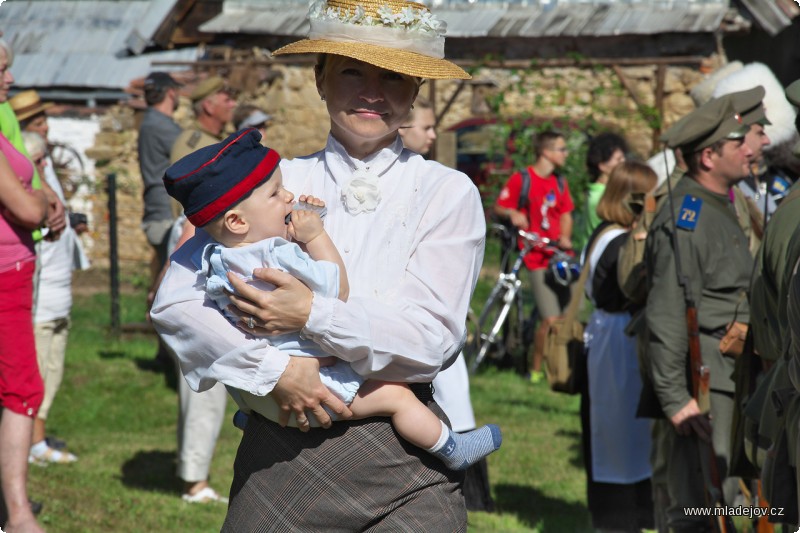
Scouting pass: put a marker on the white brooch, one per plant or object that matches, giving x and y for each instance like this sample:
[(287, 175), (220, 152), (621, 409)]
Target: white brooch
[(362, 193)]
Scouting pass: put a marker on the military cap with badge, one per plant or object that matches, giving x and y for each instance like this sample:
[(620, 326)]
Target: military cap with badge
[(712, 122), (750, 105)]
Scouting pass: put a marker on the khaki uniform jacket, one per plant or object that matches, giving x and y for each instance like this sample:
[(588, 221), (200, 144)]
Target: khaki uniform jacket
[(746, 211), (769, 291), (192, 139), (716, 263), (793, 352)]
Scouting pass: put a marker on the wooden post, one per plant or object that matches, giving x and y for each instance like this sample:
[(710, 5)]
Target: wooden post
[(661, 74), (113, 255)]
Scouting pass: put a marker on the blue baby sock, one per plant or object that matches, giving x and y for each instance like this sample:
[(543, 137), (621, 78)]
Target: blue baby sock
[(459, 451)]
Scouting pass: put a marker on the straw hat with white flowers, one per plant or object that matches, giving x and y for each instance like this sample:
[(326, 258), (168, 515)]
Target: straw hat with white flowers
[(396, 35)]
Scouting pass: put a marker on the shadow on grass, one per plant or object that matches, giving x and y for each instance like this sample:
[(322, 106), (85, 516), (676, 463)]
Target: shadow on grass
[(575, 446), (111, 354), (551, 409), (534, 509), (152, 470), (159, 367)]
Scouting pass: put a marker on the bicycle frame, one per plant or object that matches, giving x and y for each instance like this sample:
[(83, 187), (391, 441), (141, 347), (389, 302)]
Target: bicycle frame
[(508, 286)]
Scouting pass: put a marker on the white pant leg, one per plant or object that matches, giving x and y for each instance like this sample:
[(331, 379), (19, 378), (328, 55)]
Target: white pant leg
[(451, 392), (200, 418), (51, 347)]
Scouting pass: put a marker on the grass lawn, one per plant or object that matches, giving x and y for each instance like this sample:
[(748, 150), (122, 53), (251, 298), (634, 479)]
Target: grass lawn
[(120, 421)]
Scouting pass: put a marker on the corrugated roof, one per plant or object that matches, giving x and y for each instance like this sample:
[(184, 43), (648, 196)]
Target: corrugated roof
[(602, 20), (271, 20), (521, 18), (774, 15), (84, 43)]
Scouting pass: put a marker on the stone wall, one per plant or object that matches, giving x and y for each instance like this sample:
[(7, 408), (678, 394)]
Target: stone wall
[(580, 94), (115, 152), (301, 123)]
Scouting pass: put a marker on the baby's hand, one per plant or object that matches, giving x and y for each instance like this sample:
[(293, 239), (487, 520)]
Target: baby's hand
[(311, 200), (305, 226)]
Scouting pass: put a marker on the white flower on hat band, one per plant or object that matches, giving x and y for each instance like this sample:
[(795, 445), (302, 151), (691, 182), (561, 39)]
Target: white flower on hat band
[(362, 193)]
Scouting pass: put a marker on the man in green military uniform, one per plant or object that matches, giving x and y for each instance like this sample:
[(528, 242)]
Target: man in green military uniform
[(749, 105), (213, 109), (770, 284), (714, 263), (776, 329)]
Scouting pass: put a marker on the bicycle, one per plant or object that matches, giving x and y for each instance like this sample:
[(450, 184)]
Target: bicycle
[(502, 328), (69, 167)]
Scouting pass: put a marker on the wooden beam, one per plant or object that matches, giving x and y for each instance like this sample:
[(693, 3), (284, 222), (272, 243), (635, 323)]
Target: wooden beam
[(661, 75), (581, 62), (459, 88), (628, 87), (636, 99), (532, 64), (432, 100)]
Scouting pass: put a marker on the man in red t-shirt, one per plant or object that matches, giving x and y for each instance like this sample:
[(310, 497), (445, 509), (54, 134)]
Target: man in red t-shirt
[(549, 214)]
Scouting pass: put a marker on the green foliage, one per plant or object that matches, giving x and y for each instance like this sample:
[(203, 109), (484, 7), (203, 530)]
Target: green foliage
[(519, 133), (138, 279), (652, 117)]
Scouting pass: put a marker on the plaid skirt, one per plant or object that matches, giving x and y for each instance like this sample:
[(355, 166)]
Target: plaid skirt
[(355, 476)]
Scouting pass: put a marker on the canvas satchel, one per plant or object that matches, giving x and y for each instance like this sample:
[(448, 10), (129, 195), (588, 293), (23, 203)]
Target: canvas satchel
[(564, 349), (564, 354)]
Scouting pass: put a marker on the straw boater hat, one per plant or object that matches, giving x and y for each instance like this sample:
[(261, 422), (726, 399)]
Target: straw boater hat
[(400, 36), (27, 104)]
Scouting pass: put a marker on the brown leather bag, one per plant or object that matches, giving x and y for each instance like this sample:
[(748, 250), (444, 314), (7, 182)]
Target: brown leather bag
[(732, 344)]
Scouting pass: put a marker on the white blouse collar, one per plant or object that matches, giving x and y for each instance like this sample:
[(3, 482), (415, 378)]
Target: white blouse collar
[(359, 179)]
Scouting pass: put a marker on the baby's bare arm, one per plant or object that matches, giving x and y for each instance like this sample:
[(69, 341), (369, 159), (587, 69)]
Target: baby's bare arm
[(306, 227)]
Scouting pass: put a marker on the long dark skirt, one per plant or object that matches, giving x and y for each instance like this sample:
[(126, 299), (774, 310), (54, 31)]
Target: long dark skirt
[(355, 476), (476, 488), (626, 507)]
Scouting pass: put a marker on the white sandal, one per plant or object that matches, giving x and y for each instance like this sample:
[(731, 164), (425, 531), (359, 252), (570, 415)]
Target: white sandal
[(205, 495), (51, 456)]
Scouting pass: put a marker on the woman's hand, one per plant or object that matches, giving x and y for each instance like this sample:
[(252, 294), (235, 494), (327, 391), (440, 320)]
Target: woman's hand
[(300, 391), (282, 310), (56, 219)]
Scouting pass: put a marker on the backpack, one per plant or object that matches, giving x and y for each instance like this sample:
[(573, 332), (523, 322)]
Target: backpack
[(508, 240)]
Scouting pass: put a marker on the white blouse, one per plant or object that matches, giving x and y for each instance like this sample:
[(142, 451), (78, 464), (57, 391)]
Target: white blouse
[(412, 263)]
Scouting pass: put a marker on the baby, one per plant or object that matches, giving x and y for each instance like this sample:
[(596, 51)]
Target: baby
[(233, 191)]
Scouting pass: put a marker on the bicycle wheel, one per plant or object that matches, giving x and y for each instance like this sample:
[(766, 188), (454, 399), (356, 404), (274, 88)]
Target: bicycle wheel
[(514, 348), (69, 167), (488, 341)]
